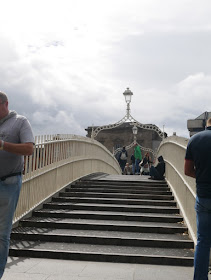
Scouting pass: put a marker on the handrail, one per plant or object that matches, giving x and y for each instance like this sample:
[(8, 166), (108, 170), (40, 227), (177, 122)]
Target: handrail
[(182, 178), (57, 161), (173, 151)]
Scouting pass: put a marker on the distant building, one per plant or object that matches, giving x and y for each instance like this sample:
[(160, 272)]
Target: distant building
[(198, 124)]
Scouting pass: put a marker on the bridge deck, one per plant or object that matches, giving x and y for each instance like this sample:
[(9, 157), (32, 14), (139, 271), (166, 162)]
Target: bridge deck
[(40, 268)]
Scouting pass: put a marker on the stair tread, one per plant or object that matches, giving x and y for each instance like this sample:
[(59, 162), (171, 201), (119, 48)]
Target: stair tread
[(114, 206), (114, 199), (117, 195), (102, 233), (122, 193), (106, 222), (108, 187), (124, 182), (86, 248), (127, 201), (121, 190), (111, 213)]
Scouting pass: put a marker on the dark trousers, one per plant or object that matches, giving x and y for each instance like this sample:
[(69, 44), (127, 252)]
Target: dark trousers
[(154, 173), (122, 164)]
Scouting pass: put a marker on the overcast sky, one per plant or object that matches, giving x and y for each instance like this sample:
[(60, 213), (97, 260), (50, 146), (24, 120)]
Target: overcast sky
[(65, 64)]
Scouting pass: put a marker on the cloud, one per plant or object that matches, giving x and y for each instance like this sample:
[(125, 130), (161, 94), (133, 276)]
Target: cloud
[(57, 122), (65, 64), (185, 100)]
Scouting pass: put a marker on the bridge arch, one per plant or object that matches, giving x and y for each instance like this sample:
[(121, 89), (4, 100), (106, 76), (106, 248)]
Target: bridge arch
[(173, 151), (57, 161)]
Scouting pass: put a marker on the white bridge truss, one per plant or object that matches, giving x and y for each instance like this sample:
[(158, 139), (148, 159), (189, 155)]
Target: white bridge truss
[(142, 148), (134, 122), (123, 120)]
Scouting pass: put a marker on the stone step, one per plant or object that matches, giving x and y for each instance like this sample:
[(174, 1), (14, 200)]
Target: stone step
[(115, 201), (103, 215), (106, 225), (130, 219), (122, 183), (118, 195), (104, 253), (99, 233), (111, 207), (100, 238), (122, 191), (116, 187)]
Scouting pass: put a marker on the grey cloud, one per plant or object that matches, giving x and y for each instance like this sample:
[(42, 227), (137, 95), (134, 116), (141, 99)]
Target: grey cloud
[(67, 94), (160, 59)]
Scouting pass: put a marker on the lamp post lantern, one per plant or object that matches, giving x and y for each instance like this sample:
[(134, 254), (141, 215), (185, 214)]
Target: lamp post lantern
[(128, 95), (135, 131)]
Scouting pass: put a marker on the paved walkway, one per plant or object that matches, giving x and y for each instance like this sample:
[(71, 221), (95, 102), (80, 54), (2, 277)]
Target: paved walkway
[(47, 269)]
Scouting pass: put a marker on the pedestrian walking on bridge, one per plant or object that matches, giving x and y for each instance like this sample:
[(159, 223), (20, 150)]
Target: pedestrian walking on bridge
[(16, 141), (198, 165)]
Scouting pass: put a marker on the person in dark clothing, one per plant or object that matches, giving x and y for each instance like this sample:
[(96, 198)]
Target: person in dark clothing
[(198, 166), (157, 172), (123, 159), (133, 163)]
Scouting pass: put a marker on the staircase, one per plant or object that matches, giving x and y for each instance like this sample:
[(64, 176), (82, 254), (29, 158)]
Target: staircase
[(109, 218)]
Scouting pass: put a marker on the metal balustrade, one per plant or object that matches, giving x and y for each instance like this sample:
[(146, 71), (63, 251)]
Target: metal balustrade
[(184, 188), (57, 161)]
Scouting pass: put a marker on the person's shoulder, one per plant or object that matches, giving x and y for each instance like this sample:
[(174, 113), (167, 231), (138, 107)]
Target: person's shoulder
[(22, 121), (21, 117), (16, 116), (200, 135)]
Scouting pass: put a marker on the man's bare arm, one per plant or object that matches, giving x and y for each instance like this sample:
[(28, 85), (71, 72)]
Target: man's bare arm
[(24, 149), (189, 168)]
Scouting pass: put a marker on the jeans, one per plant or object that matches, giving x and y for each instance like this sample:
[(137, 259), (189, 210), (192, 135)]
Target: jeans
[(202, 252), (137, 161), (9, 194), (133, 168)]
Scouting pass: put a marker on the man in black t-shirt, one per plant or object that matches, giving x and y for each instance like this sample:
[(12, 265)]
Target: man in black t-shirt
[(198, 165)]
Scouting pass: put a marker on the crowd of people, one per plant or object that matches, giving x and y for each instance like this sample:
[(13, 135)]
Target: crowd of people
[(141, 165)]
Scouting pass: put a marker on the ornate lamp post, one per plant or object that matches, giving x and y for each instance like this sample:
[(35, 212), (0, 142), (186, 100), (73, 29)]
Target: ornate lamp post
[(128, 96), (128, 118), (135, 131)]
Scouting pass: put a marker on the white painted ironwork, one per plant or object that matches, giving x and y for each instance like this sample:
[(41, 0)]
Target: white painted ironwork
[(127, 118), (134, 122), (57, 161), (141, 147)]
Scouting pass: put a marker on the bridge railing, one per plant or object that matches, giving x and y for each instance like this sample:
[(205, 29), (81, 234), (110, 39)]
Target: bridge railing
[(173, 151), (57, 161)]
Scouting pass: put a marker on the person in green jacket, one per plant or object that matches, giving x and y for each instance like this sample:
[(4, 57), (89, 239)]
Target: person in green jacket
[(138, 158)]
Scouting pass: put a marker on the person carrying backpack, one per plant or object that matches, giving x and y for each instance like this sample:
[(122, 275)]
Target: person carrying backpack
[(123, 159)]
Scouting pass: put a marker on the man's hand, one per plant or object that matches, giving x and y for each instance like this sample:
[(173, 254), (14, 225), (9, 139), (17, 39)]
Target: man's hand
[(24, 149), (189, 168)]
